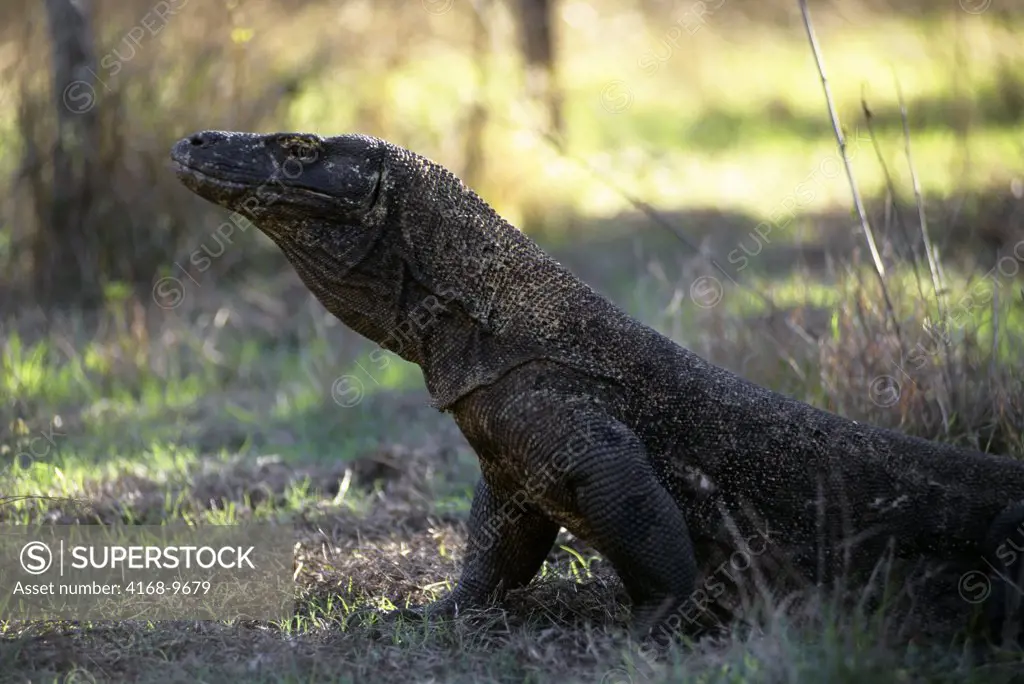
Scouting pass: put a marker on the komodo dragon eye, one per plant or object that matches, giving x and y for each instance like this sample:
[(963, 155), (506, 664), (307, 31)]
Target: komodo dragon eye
[(303, 149)]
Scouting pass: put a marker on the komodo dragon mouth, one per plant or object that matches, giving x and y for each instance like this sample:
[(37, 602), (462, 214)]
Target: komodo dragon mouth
[(190, 174)]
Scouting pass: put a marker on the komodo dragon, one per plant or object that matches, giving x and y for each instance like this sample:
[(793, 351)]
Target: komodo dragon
[(581, 416)]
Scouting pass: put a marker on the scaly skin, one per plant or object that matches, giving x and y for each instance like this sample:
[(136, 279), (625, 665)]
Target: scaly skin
[(583, 417)]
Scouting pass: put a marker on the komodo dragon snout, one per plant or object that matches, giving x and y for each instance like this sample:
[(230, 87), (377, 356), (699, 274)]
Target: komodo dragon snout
[(284, 176)]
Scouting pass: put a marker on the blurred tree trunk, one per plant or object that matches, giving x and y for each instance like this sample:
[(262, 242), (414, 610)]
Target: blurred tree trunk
[(474, 168), (536, 28), (64, 263)]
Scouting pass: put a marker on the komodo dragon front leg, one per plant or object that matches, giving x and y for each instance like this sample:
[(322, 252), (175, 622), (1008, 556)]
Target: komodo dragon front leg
[(508, 542), (550, 460)]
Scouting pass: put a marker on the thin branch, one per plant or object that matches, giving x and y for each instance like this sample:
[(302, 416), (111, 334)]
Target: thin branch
[(933, 261), (893, 194), (995, 332), (934, 266), (841, 140)]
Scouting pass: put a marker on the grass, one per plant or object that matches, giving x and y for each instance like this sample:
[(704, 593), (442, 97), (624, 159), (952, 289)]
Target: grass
[(247, 402)]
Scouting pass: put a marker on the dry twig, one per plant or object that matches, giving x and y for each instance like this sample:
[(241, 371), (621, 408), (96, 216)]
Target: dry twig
[(841, 140)]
